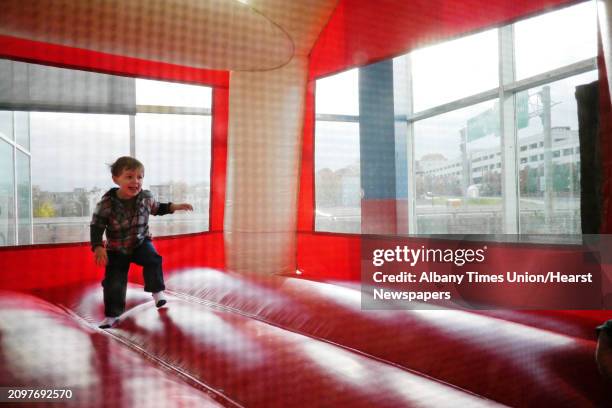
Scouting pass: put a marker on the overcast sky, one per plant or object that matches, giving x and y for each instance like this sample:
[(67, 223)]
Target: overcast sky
[(456, 69), (73, 150)]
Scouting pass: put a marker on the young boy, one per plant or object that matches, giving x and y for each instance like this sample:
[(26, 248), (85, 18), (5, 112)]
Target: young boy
[(124, 213)]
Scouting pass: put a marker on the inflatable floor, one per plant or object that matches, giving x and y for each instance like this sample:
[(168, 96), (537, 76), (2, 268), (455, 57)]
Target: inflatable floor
[(234, 340)]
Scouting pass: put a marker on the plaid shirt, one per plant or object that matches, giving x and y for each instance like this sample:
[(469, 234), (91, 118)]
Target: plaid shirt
[(126, 228)]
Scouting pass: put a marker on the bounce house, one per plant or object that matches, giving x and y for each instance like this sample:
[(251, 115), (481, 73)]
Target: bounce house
[(395, 203)]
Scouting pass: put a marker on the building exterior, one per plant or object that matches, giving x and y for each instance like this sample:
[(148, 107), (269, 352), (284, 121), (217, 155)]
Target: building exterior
[(483, 166)]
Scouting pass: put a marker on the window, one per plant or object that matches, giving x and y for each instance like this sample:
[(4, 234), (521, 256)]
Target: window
[(177, 148), (7, 192), (337, 167), (550, 189), (438, 141), (15, 194), (474, 69), (556, 39), (6, 125), (454, 122), (22, 129), (70, 157), (55, 162)]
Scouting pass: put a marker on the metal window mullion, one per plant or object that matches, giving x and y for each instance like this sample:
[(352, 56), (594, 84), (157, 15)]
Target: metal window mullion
[(332, 117), (27, 153), (23, 150), (173, 110), (507, 125), (557, 74), (15, 198), (31, 195), (2, 137), (412, 220), (132, 121), (454, 105)]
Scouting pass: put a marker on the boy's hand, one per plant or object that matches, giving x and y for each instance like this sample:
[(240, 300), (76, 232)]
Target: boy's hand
[(100, 256), (182, 206)]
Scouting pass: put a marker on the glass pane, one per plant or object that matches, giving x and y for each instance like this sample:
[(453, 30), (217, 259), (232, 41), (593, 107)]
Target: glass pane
[(458, 172), (176, 152), (22, 129), (337, 177), (455, 69), (70, 157), (6, 124), (338, 94), (555, 39), (172, 94), (24, 209), (550, 157), (7, 195)]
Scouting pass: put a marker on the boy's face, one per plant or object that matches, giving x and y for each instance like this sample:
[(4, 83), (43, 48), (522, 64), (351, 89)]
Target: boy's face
[(129, 182)]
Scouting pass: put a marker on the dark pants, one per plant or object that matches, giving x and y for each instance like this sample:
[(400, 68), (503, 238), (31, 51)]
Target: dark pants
[(115, 277)]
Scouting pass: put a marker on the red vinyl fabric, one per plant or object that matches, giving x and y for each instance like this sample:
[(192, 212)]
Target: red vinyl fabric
[(269, 341), (223, 353), (361, 31), (78, 58), (37, 267), (45, 346), (219, 158), (329, 256), (515, 358), (306, 204), (338, 256)]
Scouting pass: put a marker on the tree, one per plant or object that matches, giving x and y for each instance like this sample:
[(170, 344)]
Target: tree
[(44, 210), (528, 181), (561, 178), (491, 184)]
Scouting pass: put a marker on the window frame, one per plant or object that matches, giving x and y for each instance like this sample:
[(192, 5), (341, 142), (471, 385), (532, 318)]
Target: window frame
[(142, 108), (506, 93), (15, 147)]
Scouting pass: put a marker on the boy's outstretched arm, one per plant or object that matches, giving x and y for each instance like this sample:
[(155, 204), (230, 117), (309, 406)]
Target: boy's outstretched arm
[(181, 207)]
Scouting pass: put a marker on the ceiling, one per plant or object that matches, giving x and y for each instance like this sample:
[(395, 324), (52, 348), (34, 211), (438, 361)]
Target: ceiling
[(245, 35)]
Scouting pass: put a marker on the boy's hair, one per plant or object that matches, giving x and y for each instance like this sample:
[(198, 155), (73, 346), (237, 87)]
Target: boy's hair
[(125, 163)]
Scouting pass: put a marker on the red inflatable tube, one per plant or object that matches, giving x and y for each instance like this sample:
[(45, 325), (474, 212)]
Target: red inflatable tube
[(44, 346), (255, 364), (239, 360), (271, 341), (474, 351)]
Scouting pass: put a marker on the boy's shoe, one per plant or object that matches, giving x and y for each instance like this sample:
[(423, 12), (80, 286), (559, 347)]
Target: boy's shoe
[(159, 298), (108, 322)]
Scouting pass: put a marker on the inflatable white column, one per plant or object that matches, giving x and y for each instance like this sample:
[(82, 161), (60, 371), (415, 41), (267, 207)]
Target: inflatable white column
[(266, 110)]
